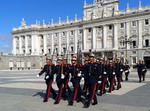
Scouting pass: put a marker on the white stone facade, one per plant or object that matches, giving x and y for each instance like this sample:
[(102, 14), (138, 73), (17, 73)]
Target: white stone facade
[(104, 28)]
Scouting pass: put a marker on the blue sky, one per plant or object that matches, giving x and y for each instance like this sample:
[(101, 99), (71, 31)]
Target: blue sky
[(12, 11)]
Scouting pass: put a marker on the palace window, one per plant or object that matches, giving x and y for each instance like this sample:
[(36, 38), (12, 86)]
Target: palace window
[(147, 43), (30, 51), (42, 51), (134, 60), (80, 31), (24, 52), (122, 25), (90, 30), (71, 49), (56, 34), (146, 22), (133, 23), (64, 49), (49, 51), (64, 33), (56, 50), (134, 44), (72, 33), (110, 27)]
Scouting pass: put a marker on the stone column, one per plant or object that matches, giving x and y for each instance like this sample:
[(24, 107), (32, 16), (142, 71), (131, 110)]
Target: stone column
[(104, 36), (52, 43), (20, 45), (94, 38), (128, 33), (76, 42), (35, 45), (84, 39), (115, 44), (45, 43), (26, 45), (32, 44), (140, 34), (59, 44), (14, 46)]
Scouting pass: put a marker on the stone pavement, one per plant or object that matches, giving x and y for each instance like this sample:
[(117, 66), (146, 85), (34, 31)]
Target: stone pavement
[(23, 91)]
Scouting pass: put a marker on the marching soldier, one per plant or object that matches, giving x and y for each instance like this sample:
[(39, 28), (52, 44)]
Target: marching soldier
[(119, 71), (111, 76), (60, 72), (66, 80), (103, 73), (84, 73), (75, 79), (126, 70), (93, 72), (49, 74)]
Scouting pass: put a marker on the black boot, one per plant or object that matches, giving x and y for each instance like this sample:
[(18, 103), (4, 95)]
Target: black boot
[(45, 100), (70, 103)]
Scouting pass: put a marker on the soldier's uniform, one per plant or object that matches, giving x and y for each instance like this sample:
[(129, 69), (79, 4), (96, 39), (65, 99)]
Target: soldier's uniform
[(60, 80), (84, 73), (119, 71), (93, 72), (66, 81), (103, 73), (126, 71), (75, 79), (111, 76), (48, 79)]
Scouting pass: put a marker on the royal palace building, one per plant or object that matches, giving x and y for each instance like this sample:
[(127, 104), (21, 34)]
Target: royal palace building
[(106, 30)]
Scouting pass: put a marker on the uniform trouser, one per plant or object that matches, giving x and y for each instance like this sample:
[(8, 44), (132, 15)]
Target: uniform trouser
[(49, 89), (140, 76), (66, 86), (112, 83), (118, 80), (60, 85), (126, 75), (92, 89), (85, 87), (143, 75), (104, 82), (76, 91)]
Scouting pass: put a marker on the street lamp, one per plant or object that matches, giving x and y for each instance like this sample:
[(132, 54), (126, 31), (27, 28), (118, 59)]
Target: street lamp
[(126, 41)]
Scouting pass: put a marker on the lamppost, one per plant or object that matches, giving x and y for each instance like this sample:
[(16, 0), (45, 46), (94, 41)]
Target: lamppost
[(126, 41)]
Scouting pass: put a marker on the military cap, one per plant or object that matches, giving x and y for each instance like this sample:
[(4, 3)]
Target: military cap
[(59, 58), (91, 55), (74, 59)]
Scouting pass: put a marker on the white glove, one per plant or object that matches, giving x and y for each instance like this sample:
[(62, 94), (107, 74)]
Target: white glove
[(114, 73), (105, 73), (82, 79), (79, 74), (62, 76), (47, 77), (143, 70), (127, 71), (99, 82), (38, 75), (121, 70)]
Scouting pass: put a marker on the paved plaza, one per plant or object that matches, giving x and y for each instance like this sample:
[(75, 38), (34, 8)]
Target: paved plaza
[(23, 91)]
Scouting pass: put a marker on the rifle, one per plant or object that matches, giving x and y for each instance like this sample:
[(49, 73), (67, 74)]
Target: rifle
[(62, 69), (78, 57), (52, 59)]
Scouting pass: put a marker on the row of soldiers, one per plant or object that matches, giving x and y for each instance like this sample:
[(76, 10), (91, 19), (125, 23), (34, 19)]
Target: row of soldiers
[(97, 76)]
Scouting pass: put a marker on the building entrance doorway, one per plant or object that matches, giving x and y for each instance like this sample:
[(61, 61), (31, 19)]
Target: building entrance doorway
[(147, 61)]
